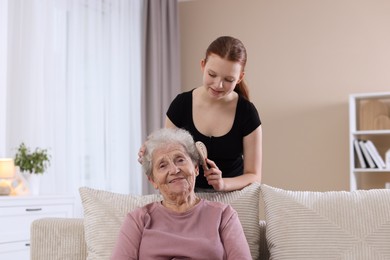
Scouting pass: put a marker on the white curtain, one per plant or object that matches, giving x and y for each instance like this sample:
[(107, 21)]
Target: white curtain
[(74, 87), (3, 75)]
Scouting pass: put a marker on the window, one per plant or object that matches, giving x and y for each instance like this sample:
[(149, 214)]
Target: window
[(74, 86)]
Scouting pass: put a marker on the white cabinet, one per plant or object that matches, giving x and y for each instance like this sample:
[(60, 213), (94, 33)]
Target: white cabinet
[(16, 215), (369, 119)]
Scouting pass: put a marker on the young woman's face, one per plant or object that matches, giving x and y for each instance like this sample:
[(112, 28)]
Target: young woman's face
[(220, 76), (173, 170)]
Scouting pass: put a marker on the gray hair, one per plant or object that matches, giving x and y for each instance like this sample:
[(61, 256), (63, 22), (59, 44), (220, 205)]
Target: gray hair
[(163, 137)]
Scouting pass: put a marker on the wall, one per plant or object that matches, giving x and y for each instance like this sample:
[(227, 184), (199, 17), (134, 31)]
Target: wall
[(305, 58)]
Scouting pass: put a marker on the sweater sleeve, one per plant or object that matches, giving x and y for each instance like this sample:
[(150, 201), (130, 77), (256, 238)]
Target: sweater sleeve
[(126, 246), (233, 237)]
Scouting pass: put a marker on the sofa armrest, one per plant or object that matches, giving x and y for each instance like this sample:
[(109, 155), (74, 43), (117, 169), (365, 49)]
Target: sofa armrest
[(57, 238)]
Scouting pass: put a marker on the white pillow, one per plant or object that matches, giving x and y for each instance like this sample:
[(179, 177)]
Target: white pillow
[(327, 225), (103, 215), (104, 212)]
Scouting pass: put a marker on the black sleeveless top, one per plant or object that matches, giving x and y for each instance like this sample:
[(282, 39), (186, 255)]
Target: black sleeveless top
[(227, 150)]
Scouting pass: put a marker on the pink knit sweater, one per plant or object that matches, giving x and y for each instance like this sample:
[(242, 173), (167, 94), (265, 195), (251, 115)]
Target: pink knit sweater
[(210, 230)]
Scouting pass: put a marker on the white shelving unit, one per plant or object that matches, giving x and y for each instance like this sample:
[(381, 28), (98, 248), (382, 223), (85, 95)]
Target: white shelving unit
[(380, 137)]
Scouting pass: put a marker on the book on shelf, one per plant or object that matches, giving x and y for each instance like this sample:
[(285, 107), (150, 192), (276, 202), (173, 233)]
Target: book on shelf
[(366, 154), (375, 154), (387, 159), (359, 154)]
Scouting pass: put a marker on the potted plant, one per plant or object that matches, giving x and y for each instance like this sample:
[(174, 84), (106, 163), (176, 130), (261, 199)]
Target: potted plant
[(33, 162), (32, 165)]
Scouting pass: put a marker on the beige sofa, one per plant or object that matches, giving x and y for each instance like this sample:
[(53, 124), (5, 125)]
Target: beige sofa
[(61, 238), (299, 224)]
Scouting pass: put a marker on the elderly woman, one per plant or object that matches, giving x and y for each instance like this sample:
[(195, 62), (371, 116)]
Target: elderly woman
[(182, 225)]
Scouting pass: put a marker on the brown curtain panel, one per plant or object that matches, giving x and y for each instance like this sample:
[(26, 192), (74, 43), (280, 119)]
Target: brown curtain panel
[(161, 64), (161, 56)]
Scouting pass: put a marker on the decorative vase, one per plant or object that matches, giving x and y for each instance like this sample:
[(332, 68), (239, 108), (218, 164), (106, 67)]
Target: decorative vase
[(34, 181)]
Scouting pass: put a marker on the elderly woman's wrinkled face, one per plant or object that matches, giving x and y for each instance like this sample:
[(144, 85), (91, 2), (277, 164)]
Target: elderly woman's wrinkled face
[(173, 170)]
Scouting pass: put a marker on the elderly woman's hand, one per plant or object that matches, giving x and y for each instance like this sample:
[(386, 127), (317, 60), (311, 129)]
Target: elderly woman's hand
[(214, 176)]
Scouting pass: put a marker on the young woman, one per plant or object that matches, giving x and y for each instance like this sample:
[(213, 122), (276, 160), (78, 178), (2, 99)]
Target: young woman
[(220, 115)]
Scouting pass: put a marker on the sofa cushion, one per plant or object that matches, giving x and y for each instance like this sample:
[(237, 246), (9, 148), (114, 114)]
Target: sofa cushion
[(327, 225), (104, 212)]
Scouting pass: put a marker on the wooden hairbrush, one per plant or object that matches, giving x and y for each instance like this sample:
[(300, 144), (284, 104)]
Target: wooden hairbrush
[(202, 150)]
